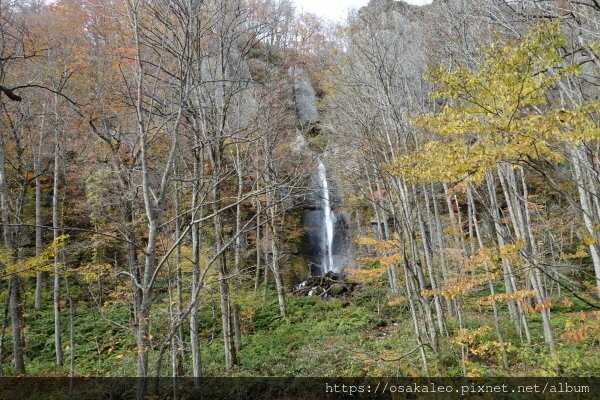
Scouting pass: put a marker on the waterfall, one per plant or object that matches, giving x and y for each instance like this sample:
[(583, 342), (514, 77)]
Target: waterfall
[(328, 222)]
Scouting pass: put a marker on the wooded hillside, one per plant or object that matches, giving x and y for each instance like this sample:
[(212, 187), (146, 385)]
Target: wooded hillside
[(159, 160)]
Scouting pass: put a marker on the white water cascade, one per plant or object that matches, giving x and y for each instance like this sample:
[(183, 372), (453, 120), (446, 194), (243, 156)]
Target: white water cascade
[(328, 222)]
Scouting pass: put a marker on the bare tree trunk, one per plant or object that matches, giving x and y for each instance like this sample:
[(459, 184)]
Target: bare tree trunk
[(382, 231), (58, 351), (441, 244), (491, 283), (518, 208), (266, 267), (415, 320), (71, 330), (237, 330), (173, 318), (230, 356), (39, 278), (3, 331), (238, 213), (589, 216), (196, 254), (536, 278), (235, 321), (520, 318), (272, 208), (275, 264), (16, 320), (429, 262), (178, 339), (194, 323), (454, 223), (258, 245), (9, 242)]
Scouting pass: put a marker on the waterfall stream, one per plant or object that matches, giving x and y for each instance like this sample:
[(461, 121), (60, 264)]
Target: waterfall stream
[(328, 222)]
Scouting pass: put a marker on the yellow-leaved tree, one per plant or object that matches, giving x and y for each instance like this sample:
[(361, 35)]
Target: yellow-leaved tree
[(500, 113), (32, 265), (497, 119)]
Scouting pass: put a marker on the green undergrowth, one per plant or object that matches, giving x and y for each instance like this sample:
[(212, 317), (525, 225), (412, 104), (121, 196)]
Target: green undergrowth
[(366, 334)]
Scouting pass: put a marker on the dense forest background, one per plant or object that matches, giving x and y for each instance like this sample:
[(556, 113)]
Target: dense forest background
[(157, 158)]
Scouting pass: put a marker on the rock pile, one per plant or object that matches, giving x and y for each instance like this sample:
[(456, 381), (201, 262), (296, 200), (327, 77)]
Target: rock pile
[(330, 285)]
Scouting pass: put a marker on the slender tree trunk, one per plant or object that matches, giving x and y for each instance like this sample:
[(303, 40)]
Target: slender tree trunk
[(382, 231), (172, 294), (441, 244), (58, 351), (267, 265), (589, 216), (491, 283), (235, 320), (178, 339), (272, 209), (536, 277), (238, 214), (39, 278), (415, 319), (275, 264), (457, 233), (196, 255), (3, 331), (230, 356), (9, 242), (518, 208), (520, 318), (71, 330), (16, 320), (194, 322), (237, 330), (429, 262), (258, 246)]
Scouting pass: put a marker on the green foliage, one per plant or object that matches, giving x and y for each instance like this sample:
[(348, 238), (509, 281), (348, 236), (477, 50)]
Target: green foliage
[(101, 346), (353, 337)]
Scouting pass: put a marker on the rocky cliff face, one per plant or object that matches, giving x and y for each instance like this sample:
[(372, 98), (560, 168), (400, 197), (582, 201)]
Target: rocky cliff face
[(314, 217), (303, 96)]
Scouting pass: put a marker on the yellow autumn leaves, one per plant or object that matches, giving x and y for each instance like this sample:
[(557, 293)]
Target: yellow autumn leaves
[(32, 265), (499, 113), (469, 275)]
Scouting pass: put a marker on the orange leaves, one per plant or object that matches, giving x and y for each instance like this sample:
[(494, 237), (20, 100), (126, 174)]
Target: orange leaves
[(512, 252), (388, 248), (544, 305), (379, 245), (379, 194), (391, 260), (367, 241), (538, 307), (390, 257), (507, 297), (566, 303), (575, 335), (127, 55), (582, 326), (462, 285), (366, 275)]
